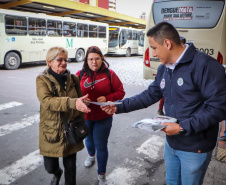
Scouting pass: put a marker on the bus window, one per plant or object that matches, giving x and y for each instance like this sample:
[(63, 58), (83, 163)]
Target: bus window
[(69, 29), (36, 26), (123, 37), (92, 30), (15, 25), (135, 35), (82, 30), (54, 28), (129, 35), (102, 32)]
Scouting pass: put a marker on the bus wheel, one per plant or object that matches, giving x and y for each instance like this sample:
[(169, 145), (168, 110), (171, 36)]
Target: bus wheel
[(80, 55), (128, 52), (12, 61)]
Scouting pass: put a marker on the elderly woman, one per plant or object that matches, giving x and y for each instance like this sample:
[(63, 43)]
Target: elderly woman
[(52, 142)]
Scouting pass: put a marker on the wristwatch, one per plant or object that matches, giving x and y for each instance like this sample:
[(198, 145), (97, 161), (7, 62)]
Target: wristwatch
[(182, 131)]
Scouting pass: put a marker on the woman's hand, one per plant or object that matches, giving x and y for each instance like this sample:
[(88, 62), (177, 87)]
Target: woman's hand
[(82, 106), (101, 99), (86, 101)]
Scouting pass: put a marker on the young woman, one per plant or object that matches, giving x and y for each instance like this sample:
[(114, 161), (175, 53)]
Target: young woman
[(102, 85)]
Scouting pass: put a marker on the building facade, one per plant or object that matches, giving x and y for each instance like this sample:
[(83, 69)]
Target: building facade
[(107, 4)]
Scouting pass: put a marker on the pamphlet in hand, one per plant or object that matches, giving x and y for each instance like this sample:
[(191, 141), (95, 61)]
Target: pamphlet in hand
[(153, 124), (102, 103)]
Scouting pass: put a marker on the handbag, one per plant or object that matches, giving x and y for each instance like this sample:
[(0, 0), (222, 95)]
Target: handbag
[(76, 130)]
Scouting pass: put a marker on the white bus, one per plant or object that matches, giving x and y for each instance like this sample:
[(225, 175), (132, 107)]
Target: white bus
[(26, 37), (141, 35), (123, 41), (201, 22)]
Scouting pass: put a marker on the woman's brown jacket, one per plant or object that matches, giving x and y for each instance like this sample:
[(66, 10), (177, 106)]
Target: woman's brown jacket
[(52, 142)]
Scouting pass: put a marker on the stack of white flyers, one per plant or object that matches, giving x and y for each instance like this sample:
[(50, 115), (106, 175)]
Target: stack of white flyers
[(102, 103), (153, 124)]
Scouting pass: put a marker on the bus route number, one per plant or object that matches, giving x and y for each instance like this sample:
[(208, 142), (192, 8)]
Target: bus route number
[(207, 51)]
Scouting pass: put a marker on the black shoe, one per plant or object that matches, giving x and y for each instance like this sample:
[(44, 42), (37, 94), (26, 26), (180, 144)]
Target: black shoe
[(160, 112), (222, 138), (56, 178)]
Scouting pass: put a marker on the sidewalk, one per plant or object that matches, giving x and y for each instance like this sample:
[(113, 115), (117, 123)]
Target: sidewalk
[(216, 173)]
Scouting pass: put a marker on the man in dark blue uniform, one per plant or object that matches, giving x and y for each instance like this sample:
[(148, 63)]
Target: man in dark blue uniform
[(193, 86)]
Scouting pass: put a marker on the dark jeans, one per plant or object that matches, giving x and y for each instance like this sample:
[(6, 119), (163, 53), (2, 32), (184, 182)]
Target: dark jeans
[(97, 141), (52, 166)]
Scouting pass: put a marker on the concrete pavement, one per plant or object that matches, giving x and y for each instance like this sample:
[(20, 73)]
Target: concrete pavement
[(216, 173)]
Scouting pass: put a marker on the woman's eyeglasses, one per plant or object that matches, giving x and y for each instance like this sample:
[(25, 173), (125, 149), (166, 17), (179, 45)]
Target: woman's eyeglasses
[(61, 60), (96, 59)]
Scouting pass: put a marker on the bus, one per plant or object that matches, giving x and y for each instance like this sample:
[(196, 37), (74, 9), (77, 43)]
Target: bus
[(141, 35), (123, 41), (26, 37), (201, 22)]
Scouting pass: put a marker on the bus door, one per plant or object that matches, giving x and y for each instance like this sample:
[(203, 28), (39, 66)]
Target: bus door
[(135, 42), (141, 36), (122, 38)]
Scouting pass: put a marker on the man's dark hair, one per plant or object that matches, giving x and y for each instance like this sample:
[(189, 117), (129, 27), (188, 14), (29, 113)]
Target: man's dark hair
[(162, 31)]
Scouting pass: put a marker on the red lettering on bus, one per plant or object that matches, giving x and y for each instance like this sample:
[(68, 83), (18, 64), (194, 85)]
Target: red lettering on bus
[(185, 9)]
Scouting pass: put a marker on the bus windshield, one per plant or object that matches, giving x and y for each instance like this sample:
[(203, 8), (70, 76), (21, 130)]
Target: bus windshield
[(188, 14), (113, 37)]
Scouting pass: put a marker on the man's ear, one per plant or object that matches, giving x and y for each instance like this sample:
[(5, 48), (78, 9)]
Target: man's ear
[(167, 43)]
